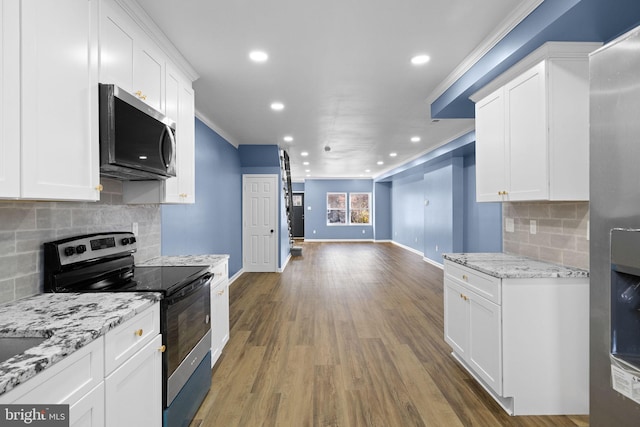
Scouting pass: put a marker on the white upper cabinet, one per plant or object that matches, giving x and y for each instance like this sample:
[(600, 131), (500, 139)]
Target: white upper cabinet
[(49, 100), (9, 99), (532, 140), (127, 58)]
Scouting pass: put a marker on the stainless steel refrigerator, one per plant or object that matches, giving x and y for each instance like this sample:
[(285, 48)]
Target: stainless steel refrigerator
[(615, 233)]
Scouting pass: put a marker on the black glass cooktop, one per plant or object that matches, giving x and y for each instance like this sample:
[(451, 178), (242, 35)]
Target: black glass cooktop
[(161, 279)]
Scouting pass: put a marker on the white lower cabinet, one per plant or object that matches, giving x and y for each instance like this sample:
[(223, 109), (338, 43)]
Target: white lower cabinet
[(525, 340), (133, 392), (219, 311), (101, 386)]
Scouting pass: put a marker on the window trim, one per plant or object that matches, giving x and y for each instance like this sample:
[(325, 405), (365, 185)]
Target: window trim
[(345, 209)]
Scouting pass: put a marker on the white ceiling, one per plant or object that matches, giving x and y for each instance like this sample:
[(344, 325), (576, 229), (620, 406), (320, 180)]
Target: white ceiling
[(341, 67)]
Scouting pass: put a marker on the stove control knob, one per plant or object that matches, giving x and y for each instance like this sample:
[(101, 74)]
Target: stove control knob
[(125, 241), (69, 250), (132, 240), (80, 249)]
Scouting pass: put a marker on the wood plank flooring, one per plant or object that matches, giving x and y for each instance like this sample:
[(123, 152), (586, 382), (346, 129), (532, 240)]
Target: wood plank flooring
[(350, 334)]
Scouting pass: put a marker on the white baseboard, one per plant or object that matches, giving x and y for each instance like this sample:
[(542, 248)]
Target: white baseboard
[(286, 261), (432, 262), (235, 276), (410, 249), (339, 240)]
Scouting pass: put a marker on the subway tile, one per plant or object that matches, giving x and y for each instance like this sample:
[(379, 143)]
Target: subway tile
[(18, 218), (540, 239), (576, 259), (7, 243), (28, 285), (111, 186), (530, 251), (539, 211), (563, 210), (553, 226), (576, 227), (563, 242), (7, 290), (582, 244), (551, 255), (31, 241), (47, 218), (582, 210)]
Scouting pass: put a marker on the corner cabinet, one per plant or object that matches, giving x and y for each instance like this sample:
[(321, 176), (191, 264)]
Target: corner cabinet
[(116, 380), (525, 340), (49, 133), (532, 133)]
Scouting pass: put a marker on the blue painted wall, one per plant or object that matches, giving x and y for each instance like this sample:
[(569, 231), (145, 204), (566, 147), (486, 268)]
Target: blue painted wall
[(382, 210), (443, 210), (298, 187), (482, 221), (315, 196), (213, 224), (407, 211)]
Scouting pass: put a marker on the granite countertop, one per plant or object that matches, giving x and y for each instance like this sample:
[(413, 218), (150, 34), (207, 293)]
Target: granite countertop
[(513, 266), (169, 261), (69, 321)]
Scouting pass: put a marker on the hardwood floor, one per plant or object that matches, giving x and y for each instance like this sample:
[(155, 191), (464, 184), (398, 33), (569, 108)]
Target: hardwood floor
[(350, 334)]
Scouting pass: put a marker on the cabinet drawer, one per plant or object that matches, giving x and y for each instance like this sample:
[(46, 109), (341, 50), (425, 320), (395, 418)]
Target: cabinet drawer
[(125, 340), (480, 283), (219, 273), (65, 382)]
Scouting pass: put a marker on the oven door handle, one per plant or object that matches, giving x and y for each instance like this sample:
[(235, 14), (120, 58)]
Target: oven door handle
[(191, 289)]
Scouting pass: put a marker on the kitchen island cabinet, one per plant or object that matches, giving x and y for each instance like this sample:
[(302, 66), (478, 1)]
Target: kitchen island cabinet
[(520, 328)]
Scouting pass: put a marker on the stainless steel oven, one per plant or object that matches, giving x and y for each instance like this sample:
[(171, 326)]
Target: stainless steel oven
[(104, 263)]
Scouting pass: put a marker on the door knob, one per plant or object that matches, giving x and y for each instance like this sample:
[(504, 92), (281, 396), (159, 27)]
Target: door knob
[(272, 231)]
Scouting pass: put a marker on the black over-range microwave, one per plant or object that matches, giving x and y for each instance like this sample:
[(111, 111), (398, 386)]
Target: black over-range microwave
[(136, 141)]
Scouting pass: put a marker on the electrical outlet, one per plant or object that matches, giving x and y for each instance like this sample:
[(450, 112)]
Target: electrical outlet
[(314, 231), (509, 225), (134, 228), (437, 248), (533, 226), (363, 231)]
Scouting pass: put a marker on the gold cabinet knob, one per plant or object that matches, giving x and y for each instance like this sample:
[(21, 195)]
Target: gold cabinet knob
[(465, 278), (162, 348), (138, 332), (99, 187), (221, 292)]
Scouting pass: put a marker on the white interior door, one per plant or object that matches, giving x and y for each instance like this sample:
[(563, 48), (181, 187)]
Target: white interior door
[(260, 220)]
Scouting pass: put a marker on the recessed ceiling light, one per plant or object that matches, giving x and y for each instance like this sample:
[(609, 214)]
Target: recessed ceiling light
[(393, 154), (307, 170), (367, 170), (288, 138), (415, 139), (308, 175), (305, 163), (277, 106), (258, 56), (420, 59), (304, 154), (380, 162)]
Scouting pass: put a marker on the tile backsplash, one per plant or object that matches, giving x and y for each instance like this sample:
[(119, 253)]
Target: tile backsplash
[(561, 231), (25, 226)]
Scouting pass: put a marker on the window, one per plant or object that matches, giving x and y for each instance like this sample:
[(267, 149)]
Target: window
[(358, 208), (336, 208)]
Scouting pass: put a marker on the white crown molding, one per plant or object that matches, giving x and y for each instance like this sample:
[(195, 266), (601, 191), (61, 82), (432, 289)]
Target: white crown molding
[(549, 50), (485, 46), (151, 29), (214, 127)]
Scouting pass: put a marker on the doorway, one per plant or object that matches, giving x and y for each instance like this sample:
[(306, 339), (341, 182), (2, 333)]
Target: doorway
[(259, 223), (298, 215)]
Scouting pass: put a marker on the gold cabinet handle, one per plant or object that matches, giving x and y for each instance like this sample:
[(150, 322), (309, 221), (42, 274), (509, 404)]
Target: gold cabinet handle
[(221, 292), (162, 348), (138, 332), (99, 187), (140, 95)]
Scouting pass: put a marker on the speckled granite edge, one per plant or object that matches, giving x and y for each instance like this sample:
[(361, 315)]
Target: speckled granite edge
[(70, 321), (180, 260), (513, 266)]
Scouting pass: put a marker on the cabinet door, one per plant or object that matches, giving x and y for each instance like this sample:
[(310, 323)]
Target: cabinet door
[(525, 103), (59, 100), (133, 392), (88, 411), (116, 47), (484, 353), (148, 71), (186, 145), (9, 99), (456, 317), (219, 319), (491, 153)]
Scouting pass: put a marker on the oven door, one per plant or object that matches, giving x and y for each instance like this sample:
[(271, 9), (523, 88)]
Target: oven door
[(186, 333)]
